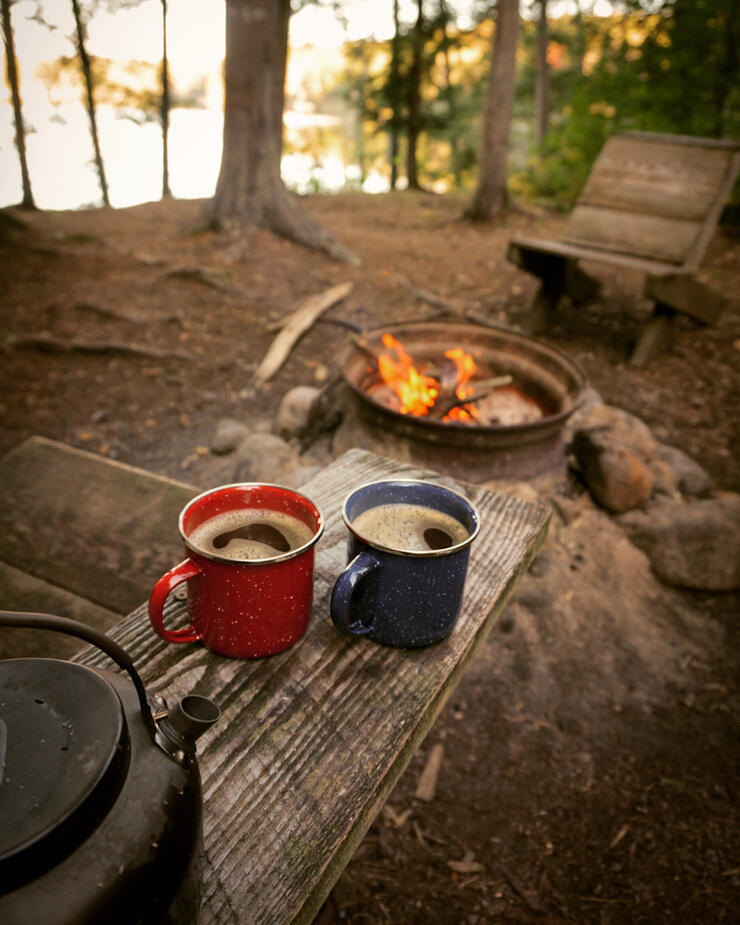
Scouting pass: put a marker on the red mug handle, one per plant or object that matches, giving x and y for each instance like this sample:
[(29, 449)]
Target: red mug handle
[(168, 582)]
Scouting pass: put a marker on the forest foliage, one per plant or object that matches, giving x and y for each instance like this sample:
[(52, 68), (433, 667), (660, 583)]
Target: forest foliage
[(653, 65), (663, 67)]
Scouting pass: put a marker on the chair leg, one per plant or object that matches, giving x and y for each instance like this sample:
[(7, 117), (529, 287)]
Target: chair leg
[(543, 307), (656, 336)]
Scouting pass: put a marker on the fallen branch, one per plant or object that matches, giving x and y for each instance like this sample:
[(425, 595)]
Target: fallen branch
[(296, 324), (359, 341), (430, 298), (53, 345)]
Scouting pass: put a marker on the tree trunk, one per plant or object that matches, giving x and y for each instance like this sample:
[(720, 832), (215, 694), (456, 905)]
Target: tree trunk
[(414, 116), (541, 104), (165, 108), (87, 77), (20, 134), (451, 105), (393, 127), (250, 191), (489, 199)]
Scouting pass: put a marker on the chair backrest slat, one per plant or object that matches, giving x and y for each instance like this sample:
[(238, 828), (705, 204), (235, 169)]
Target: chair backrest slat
[(654, 196)]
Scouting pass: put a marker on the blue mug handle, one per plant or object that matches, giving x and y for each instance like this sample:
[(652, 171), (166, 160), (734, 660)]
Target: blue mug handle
[(344, 588)]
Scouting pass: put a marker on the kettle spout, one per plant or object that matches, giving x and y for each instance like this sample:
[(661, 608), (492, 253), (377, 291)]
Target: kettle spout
[(186, 722)]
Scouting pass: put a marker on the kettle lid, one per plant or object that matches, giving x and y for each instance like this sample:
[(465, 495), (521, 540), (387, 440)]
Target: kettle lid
[(63, 756)]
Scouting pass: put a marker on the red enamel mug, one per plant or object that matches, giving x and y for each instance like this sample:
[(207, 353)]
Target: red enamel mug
[(240, 605)]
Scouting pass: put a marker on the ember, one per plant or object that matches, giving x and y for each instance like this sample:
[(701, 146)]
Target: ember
[(446, 390)]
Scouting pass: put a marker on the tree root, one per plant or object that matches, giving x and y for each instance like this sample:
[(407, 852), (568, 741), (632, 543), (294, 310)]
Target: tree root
[(49, 344), (287, 218)]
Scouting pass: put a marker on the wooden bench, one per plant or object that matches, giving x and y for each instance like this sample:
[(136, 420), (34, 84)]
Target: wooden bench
[(311, 741), (651, 204), (81, 536)]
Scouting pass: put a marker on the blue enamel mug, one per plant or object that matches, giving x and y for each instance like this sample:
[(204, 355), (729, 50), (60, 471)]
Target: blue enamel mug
[(408, 549)]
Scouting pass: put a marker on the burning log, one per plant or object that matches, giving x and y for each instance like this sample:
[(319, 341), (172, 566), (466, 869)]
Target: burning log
[(448, 400)]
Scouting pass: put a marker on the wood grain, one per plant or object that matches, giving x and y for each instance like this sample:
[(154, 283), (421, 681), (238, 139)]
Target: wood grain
[(520, 247), (93, 526), (652, 177), (652, 237), (312, 740)]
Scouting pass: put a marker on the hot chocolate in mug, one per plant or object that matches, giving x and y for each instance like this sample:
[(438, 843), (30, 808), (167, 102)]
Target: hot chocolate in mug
[(249, 569)]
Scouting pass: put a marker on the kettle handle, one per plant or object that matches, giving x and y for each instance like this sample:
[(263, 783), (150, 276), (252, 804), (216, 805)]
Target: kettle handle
[(47, 621)]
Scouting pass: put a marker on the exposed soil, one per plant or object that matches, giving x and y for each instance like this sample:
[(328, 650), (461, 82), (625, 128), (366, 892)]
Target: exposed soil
[(572, 794)]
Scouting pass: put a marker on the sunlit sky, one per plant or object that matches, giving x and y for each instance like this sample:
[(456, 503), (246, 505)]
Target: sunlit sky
[(196, 40)]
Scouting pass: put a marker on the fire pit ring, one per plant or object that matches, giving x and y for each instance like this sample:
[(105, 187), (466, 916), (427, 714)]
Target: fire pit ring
[(476, 453)]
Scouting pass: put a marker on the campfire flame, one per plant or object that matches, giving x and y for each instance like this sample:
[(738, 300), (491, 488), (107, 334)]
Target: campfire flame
[(417, 391)]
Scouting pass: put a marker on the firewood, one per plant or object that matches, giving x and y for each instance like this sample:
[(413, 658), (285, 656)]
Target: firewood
[(448, 399), (296, 324)]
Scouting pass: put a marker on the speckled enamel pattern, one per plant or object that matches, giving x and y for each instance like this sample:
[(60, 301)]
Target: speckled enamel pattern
[(242, 609), (402, 599)]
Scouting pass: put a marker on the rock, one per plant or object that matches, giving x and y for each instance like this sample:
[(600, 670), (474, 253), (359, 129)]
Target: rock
[(688, 476), (616, 476), (570, 509), (264, 457), (692, 545), (625, 429), (664, 480), (590, 400), (294, 413), (229, 434)]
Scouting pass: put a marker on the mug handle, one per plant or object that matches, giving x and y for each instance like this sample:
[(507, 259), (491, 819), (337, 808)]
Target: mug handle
[(168, 582), (344, 588)]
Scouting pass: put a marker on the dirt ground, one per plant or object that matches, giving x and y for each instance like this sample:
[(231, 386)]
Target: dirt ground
[(586, 806)]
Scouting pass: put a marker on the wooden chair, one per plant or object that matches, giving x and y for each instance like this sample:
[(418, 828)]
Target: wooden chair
[(651, 203)]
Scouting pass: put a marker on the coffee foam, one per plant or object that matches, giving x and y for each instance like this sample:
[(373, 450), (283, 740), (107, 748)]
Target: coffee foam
[(401, 526), (296, 533)]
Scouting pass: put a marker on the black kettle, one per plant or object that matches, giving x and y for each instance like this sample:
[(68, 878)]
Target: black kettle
[(100, 794)]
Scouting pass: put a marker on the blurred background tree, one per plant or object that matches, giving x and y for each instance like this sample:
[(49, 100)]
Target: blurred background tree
[(407, 110), (27, 202)]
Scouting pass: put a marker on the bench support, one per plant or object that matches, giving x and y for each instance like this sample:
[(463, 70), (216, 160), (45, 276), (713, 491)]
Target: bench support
[(684, 293), (558, 276)]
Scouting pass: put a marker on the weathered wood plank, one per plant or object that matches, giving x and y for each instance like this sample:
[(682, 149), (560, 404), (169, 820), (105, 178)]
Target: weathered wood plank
[(312, 740), (652, 237), (21, 591), (649, 176), (96, 527), (581, 252), (686, 294)]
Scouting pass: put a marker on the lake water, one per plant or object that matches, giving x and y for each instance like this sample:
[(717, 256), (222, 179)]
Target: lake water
[(63, 175)]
